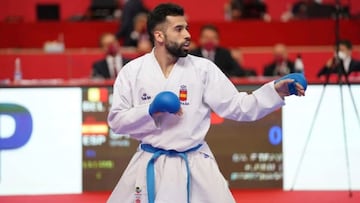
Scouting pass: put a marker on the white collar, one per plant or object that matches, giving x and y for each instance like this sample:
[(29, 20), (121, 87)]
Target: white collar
[(110, 62), (346, 63)]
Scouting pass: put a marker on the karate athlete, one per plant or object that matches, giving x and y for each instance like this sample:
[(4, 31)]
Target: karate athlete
[(173, 163)]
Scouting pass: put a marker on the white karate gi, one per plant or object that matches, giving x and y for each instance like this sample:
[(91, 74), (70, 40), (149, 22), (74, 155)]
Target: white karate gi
[(204, 88)]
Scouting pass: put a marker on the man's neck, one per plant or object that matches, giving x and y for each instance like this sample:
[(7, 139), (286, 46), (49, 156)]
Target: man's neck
[(165, 60)]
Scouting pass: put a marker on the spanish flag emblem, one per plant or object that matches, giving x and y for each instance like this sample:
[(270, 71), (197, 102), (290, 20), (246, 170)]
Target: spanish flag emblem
[(183, 93)]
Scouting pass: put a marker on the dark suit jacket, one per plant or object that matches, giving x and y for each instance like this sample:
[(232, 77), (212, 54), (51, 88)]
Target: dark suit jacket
[(101, 69), (224, 61), (269, 69), (353, 67), (130, 10)]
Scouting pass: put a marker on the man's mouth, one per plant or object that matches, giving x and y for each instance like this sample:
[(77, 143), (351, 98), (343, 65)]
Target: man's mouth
[(187, 44)]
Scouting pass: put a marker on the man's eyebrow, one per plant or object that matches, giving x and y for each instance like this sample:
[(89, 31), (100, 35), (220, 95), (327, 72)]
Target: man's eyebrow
[(181, 26)]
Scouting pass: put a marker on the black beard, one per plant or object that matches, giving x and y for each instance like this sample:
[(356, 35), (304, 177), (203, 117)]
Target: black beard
[(176, 49)]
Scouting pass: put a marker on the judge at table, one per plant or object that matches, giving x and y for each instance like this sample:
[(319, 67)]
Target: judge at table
[(111, 64)]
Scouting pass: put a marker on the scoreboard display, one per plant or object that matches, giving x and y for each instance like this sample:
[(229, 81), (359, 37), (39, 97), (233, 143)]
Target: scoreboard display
[(249, 154), (105, 154), (56, 140)]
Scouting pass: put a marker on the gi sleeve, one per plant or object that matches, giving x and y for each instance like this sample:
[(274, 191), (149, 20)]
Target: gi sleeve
[(225, 100), (125, 117)]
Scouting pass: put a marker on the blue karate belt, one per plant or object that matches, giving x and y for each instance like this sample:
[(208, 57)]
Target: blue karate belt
[(150, 172)]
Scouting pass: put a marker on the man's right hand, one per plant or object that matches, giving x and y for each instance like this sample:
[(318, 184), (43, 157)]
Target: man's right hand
[(165, 102)]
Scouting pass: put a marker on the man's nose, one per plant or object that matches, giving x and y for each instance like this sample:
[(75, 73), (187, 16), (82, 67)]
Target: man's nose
[(187, 34)]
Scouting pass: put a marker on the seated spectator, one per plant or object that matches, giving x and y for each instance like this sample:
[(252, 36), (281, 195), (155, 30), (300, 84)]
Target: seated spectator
[(281, 65), (102, 10), (131, 9), (139, 37), (346, 64), (309, 9), (238, 56), (246, 9), (210, 49), (113, 62)]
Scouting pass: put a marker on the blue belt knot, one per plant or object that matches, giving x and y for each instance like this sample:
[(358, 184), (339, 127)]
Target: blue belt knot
[(150, 171)]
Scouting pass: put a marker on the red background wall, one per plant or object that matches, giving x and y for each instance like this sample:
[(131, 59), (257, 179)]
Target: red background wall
[(78, 35), (27, 8), (232, 34), (198, 10)]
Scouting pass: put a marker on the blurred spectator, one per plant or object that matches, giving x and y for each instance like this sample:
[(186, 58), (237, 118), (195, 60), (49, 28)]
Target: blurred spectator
[(281, 65), (210, 49), (246, 9), (345, 63), (307, 9), (113, 62), (139, 37), (103, 10), (238, 56), (131, 9)]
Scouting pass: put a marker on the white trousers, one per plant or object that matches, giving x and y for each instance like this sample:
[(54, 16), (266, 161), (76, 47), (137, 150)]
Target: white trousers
[(207, 183)]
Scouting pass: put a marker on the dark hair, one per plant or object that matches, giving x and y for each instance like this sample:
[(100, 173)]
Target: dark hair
[(158, 16), (346, 43), (209, 27)]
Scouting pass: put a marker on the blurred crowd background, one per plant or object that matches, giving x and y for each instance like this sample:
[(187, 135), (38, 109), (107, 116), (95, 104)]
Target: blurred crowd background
[(94, 39)]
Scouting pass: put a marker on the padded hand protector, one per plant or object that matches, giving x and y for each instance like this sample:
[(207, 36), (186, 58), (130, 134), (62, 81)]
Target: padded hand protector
[(298, 78), (165, 102)]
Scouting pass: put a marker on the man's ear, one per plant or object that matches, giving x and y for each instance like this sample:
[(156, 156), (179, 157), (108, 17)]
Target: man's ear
[(159, 36)]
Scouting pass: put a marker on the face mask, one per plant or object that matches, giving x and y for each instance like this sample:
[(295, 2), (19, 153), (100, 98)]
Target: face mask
[(342, 55), (279, 59), (209, 46), (112, 50)]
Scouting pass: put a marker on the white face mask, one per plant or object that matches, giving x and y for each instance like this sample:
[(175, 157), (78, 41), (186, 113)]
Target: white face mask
[(342, 55)]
